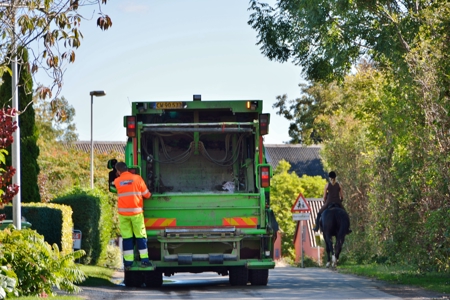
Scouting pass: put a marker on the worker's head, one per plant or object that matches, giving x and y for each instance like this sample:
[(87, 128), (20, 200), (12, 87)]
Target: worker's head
[(121, 167)]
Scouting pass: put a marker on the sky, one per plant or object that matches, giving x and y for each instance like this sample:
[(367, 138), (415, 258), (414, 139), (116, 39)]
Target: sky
[(161, 50)]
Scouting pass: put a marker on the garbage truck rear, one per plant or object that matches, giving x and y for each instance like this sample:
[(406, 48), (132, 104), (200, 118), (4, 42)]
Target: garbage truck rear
[(205, 166)]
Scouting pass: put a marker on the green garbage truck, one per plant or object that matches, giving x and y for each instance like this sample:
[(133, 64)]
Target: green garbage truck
[(205, 166)]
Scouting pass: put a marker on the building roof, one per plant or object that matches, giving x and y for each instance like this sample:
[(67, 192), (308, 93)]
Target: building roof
[(303, 160), (99, 147)]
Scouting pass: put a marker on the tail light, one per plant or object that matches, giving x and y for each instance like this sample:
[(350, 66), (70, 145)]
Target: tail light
[(264, 176), (264, 120), (131, 126)]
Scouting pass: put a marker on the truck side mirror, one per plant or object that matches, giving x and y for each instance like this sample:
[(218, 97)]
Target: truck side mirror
[(111, 163)]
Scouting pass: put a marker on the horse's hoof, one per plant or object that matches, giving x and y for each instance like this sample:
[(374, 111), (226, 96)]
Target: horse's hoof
[(328, 265)]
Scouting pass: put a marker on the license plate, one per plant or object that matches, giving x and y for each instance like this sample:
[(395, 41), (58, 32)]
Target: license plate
[(166, 105)]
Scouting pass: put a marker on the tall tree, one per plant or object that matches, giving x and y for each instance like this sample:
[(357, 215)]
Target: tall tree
[(403, 109), (55, 24), (28, 134), (327, 37), (308, 114), (55, 120)]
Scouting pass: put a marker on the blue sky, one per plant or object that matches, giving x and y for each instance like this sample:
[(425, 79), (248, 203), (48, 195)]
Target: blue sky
[(170, 50)]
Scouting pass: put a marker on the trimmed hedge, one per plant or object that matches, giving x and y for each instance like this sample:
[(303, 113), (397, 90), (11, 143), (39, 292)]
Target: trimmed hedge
[(92, 215), (53, 221)]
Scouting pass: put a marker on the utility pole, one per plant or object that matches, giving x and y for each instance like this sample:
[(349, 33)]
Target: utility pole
[(15, 147)]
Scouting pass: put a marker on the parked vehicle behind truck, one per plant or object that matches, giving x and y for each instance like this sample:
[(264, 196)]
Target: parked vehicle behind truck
[(205, 166)]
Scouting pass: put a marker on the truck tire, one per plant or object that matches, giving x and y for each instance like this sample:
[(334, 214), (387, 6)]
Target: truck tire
[(133, 278), (238, 276), (153, 279), (258, 277)]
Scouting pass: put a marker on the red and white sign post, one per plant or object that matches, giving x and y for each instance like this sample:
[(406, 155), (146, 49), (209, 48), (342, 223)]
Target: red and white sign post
[(301, 212)]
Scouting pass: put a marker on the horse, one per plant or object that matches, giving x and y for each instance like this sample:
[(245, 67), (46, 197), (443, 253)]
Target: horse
[(334, 223)]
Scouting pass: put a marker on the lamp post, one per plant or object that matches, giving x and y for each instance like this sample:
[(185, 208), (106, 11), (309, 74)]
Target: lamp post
[(96, 94)]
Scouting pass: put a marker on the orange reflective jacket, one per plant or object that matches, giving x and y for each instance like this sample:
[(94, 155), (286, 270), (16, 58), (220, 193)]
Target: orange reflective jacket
[(131, 190)]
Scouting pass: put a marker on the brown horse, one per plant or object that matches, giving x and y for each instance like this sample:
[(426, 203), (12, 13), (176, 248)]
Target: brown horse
[(334, 223)]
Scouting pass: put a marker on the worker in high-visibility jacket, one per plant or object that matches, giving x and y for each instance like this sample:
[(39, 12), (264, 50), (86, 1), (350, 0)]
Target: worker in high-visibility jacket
[(131, 191)]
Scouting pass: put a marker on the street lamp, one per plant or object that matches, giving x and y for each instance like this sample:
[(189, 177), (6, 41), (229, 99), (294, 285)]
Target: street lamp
[(96, 94)]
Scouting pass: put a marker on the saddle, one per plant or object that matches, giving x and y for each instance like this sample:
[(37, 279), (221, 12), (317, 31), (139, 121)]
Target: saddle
[(331, 205)]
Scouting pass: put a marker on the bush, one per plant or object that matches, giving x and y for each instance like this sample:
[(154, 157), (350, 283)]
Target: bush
[(437, 241), (38, 266), (53, 221), (8, 283), (92, 215), (308, 262), (113, 258)]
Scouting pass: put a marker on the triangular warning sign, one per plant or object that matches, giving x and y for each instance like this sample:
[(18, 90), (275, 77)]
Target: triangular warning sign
[(300, 205)]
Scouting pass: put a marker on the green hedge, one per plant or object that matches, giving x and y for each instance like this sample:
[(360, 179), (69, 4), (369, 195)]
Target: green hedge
[(53, 221), (93, 216)]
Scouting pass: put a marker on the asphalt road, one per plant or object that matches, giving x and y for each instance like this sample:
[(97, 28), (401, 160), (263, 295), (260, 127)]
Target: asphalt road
[(284, 283)]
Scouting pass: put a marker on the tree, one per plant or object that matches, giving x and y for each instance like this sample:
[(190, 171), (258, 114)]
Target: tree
[(28, 134), (7, 128), (308, 114), (328, 37), (55, 120), (391, 122), (53, 24)]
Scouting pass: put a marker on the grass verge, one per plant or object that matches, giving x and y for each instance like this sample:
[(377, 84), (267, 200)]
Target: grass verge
[(433, 281), (97, 276)]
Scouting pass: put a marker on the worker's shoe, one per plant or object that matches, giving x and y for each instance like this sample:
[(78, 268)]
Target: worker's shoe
[(145, 264)]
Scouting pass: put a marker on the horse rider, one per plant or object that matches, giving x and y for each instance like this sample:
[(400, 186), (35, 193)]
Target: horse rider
[(332, 195)]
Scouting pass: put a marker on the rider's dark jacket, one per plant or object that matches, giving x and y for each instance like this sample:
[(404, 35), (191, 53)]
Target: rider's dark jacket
[(332, 196)]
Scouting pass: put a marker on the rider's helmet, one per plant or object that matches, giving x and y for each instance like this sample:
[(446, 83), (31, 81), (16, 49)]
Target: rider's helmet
[(332, 174)]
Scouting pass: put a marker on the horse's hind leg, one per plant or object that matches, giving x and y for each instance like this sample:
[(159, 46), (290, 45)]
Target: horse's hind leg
[(338, 248), (329, 247), (333, 261)]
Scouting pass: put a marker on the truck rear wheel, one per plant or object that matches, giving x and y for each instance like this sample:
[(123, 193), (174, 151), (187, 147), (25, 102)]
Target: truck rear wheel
[(153, 279), (258, 277), (238, 276), (133, 278)]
